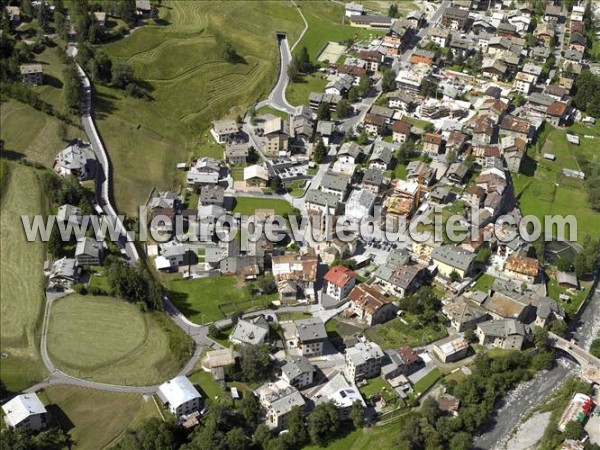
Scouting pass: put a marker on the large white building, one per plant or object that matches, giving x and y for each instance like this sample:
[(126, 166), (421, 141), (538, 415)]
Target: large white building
[(180, 396), (25, 412), (360, 203), (363, 361)]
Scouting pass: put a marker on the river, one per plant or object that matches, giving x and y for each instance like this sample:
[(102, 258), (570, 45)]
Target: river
[(590, 321), (520, 401)]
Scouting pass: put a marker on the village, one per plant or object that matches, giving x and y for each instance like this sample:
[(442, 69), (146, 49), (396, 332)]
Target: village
[(440, 113)]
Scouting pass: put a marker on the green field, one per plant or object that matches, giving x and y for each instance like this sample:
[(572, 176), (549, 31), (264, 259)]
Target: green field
[(191, 85), (272, 111), (111, 416), (484, 283), (382, 437), (209, 299), (29, 133), (108, 340), (427, 381), (395, 333), (22, 291), (247, 205), (325, 24), (297, 93), (543, 190)]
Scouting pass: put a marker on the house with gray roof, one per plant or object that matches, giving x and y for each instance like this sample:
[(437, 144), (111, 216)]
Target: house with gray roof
[(311, 336), (360, 203), (335, 183), (321, 201), (547, 311), (363, 361), (509, 334), (69, 214), (63, 274), (89, 251), (381, 158), (77, 159), (372, 180), (277, 400), (451, 258), (298, 371), (250, 331)]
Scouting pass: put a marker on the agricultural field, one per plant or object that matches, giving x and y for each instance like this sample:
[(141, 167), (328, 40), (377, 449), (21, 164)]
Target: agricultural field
[(40, 140), (247, 205), (22, 293), (191, 85), (208, 299), (109, 340), (112, 414), (543, 190)]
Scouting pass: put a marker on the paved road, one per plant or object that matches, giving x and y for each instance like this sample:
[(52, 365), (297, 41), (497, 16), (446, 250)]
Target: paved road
[(277, 98)]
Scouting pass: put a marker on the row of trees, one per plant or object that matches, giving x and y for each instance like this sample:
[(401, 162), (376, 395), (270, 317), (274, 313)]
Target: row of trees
[(300, 64), (133, 283), (587, 96)]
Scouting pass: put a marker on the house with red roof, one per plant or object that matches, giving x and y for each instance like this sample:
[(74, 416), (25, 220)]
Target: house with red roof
[(338, 282)]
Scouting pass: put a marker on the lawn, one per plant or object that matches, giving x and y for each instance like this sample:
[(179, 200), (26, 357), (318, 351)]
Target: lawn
[(570, 307), (112, 414), (209, 388), (273, 112), (484, 283), (543, 190), (294, 315), (427, 381), (247, 205), (374, 386), (191, 85), (365, 439), (109, 340), (297, 93), (208, 299), (22, 291), (396, 333), (295, 188)]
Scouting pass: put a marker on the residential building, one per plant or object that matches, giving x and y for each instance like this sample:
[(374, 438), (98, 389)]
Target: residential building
[(211, 195), (521, 267), (400, 280), (298, 371), (524, 83), (69, 214), (180, 396), (401, 131), (432, 143), (338, 282), (451, 349), (372, 180), (276, 134), (335, 183), (508, 334), (354, 9), (363, 361), (455, 18), (371, 305), (340, 85), (372, 60), (548, 311), (256, 176), (277, 400), (251, 331), (516, 127), (440, 36), (32, 74), (224, 130), (465, 314), (342, 393), (89, 251), (457, 172), (321, 202), (451, 258), (360, 203), (236, 153), (509, 305), (25, 412), (77, 159), (311, 336), (382, 156), (374, 124), (369, 21)]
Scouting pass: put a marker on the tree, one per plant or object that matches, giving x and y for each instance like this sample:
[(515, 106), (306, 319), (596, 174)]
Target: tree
[(128, 12), (364, 84), (275, 184), (461, 441), (319, 152), (559, 327), (471, 336), (122, 75), (262, 436), (393, 11), (428, 88), (573, 430), (154, 433), (228, 52), (540, 338), (323, 423), (451, 156), (296, 425), (235, 439), (256, 363), (250, 409), (483, 255), (71, 87), (405, 152), (302, 61), (253, 156), (595, 348), (563, 264), (343, 109), (388, 80), (454, 276), (430, 410), (323, 112), (363, 137), (293, 72), (353, 93), (357, 414), (267, 284)]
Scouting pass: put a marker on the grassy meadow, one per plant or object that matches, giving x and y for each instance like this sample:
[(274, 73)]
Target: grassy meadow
[(543, 190), (247, 205), (191, 85), (112, 414), (108, 340), (205, 300), (22, 292)]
